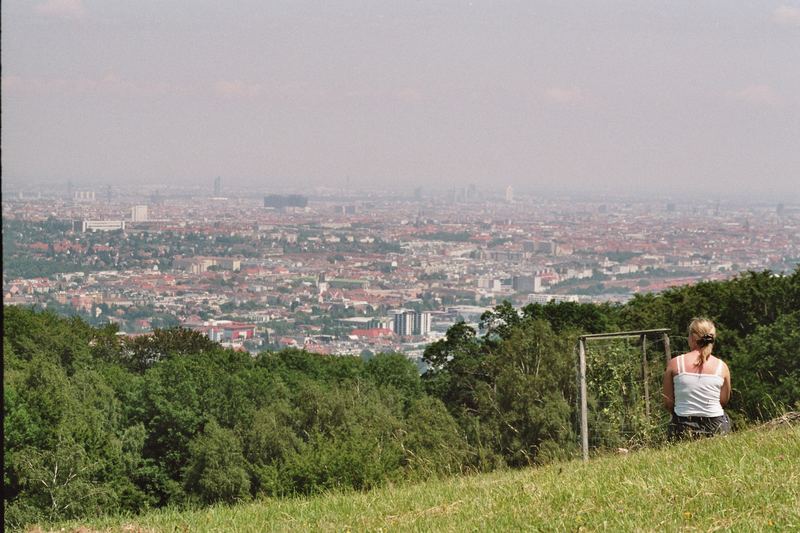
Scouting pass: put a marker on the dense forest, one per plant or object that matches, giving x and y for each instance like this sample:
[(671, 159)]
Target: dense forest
[(98, 423)]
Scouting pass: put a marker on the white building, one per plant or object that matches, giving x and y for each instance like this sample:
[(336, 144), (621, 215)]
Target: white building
[(403, 321), (557, 298), (83, 196), (408, 322), (422, 323), (139, 213), (102, 225)]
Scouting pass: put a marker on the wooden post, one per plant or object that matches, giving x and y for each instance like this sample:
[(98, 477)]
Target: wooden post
[(645, 377), (667, 351), (584, 403)]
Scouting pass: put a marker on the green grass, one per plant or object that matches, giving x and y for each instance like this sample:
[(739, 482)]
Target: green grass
[(745, 482)]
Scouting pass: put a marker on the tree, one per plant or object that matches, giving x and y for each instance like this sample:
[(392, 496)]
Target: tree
[(395, 370), (216, 469), (765, 370), (59, 483), (457, 367), (268, 442), (433, 443), (141, 353), (533, 392)]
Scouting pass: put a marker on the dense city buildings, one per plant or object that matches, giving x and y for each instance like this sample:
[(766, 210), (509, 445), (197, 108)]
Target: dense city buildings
[(342, 272)]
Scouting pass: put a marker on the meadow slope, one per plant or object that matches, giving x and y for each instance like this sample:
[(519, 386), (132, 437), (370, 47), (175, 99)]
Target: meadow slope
[(747, 481)]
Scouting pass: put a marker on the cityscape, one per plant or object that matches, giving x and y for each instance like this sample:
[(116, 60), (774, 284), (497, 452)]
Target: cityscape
[(400, 266), (361, 272)]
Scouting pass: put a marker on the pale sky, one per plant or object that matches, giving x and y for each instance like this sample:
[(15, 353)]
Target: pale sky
[(694, 97)]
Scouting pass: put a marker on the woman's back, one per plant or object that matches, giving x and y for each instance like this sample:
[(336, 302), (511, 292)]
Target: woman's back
[(697, 388), (696, 385)]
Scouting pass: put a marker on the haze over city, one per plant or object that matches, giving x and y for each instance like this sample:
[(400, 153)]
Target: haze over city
[(417, 265), (694, 98)]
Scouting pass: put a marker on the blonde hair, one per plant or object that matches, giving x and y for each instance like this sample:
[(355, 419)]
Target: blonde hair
[(705, 334)]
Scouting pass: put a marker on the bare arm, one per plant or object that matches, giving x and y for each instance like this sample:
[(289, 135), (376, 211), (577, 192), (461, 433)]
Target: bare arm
[(725, 391), (668, 388)]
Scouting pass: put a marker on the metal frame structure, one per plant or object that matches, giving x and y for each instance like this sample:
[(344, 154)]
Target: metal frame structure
[(642, 335)]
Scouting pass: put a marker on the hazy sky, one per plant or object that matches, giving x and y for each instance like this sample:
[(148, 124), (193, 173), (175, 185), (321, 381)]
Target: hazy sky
[(694, 96)]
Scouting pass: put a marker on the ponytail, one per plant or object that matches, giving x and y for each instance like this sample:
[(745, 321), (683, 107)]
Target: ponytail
[(704, 331), (706, 344)]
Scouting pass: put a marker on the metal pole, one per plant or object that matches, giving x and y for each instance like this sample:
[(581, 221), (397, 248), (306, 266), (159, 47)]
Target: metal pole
[(645, 377), (584, 405)]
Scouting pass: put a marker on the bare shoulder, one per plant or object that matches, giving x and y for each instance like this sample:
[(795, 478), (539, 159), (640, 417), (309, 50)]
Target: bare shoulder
[(672, 365), (724, 365)]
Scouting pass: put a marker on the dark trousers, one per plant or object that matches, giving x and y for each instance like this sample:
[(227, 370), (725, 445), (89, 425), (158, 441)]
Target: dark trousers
[(683, 427)]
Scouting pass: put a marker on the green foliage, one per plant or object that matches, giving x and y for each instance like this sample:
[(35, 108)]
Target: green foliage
[(96, 424), (617, 410), (268, 442), (64, 342), (639, 491), (510, 391), (457, 368), (141, 353), (433, 443), (397, 371), (589, 318), (767, 369), (534, 391), (350, 441), (216, 469), (58, 483)]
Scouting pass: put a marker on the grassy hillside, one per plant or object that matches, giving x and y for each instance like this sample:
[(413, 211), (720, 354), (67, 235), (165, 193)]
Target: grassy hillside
[(748, 481)]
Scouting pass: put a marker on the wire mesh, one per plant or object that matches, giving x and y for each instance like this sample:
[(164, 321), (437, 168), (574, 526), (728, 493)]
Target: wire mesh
[(622, 412)]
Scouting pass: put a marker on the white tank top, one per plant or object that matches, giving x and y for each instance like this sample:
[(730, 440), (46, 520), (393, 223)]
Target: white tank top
[(698, 394)]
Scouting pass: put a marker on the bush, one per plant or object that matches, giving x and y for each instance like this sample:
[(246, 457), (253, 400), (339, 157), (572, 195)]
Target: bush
[(765, 370), (217, 470)]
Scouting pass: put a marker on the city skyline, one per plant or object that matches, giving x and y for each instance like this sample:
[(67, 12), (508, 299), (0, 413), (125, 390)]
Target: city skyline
[(693, 100)]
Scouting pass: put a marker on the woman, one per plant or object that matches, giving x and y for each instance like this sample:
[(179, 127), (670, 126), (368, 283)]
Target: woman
[(697, 385)]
